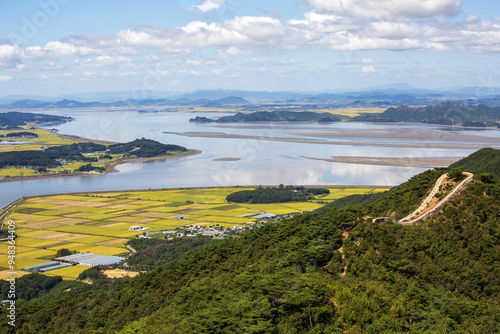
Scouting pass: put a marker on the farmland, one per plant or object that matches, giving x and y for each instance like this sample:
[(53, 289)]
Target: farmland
[(99, 222)]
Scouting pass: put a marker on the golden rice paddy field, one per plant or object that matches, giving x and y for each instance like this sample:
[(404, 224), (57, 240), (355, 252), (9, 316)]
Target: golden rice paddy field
[(99, 222)]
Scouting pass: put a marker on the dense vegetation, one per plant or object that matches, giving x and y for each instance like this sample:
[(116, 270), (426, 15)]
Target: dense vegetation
[(31, 286), (152, 253), (281, 194), (448, 113), (486, 160), (20, 134), (14, 119), (321, 272), (50, 157), (145, 148), (272, 116)]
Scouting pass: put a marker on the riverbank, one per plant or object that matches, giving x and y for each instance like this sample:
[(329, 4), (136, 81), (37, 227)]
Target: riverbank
[(427, 162), (429, 143), (110, 167)]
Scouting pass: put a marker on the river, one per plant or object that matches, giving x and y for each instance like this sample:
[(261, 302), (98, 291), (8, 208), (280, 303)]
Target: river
[(265, 154)]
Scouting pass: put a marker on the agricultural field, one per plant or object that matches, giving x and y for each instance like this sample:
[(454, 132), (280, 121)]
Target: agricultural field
[(99, 222), (353, 112), (45, 139)]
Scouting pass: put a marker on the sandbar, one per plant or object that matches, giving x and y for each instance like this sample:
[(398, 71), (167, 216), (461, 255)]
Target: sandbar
[(427, 162)]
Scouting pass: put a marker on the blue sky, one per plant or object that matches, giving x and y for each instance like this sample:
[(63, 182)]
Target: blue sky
[(53, 47)]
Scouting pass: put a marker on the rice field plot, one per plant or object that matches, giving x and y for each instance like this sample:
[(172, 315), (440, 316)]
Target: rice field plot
[(107, 250), (277, 209), (73, 246), (94, 216), (32, 242), (91, 239), (39, 253), (6, 274), (303, 206), (31, 233), (98, 223), (21, 261), (68, 273)]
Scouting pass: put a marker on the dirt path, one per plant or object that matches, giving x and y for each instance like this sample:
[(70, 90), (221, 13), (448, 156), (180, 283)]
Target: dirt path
[(424, 210)]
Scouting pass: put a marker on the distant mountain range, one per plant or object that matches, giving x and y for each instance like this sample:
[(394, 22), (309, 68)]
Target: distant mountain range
[(380, 97)]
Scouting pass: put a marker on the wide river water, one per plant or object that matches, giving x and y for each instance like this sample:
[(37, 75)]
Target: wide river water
[(265, 154)]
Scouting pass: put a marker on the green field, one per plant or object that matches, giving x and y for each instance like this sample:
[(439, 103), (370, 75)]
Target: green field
[(99, 222)]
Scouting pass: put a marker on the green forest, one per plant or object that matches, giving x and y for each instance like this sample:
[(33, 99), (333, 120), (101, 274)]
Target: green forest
[(14, 120), (143, 148), (280, 194), (273, 116), (329, 271), (446, 113)]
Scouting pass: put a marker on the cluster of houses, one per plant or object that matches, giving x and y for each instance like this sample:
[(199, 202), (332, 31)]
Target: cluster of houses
[(214, 231)]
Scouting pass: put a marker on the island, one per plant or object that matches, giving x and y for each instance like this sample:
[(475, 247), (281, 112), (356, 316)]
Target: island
[(272, 116), (14, 120)]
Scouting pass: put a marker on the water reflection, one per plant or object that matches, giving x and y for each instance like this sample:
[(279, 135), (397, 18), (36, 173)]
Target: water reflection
[(263, 162)]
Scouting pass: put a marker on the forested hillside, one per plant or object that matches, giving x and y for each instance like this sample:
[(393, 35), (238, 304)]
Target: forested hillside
[(486, 160), (14, 119), (272, 116), (447, 113), (333, 271)]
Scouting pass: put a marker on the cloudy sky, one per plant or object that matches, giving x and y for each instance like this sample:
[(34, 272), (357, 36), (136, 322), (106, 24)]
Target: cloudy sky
[(52, 47)]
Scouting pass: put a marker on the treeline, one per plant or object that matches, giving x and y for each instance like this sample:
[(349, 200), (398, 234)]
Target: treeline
[(486, 160), (153, 253), (74, 152), (145, 148), (14, 119), (30, 286), (281, 194), (49, 157), (20, 134)]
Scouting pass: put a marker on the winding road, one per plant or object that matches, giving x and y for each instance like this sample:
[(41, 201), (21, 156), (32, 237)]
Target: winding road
[(410, 220)]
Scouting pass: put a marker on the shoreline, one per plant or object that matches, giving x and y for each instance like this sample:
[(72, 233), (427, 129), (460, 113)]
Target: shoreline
[(423, 162), (441, 145), (110, 167), (339, 186)]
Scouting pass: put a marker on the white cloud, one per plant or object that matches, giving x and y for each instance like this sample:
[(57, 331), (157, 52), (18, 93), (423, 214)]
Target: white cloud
[(389, 9), (57, 49), (10, 57), (233, 51), (192, 62), (209, 5), (104, 61), (368, 69), (367, 61), (4, 78)]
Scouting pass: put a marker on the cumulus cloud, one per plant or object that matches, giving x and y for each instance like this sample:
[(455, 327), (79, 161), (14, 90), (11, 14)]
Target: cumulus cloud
[(331, 26), (10, 57), (209, 5), (58, 49), (389, 9)]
